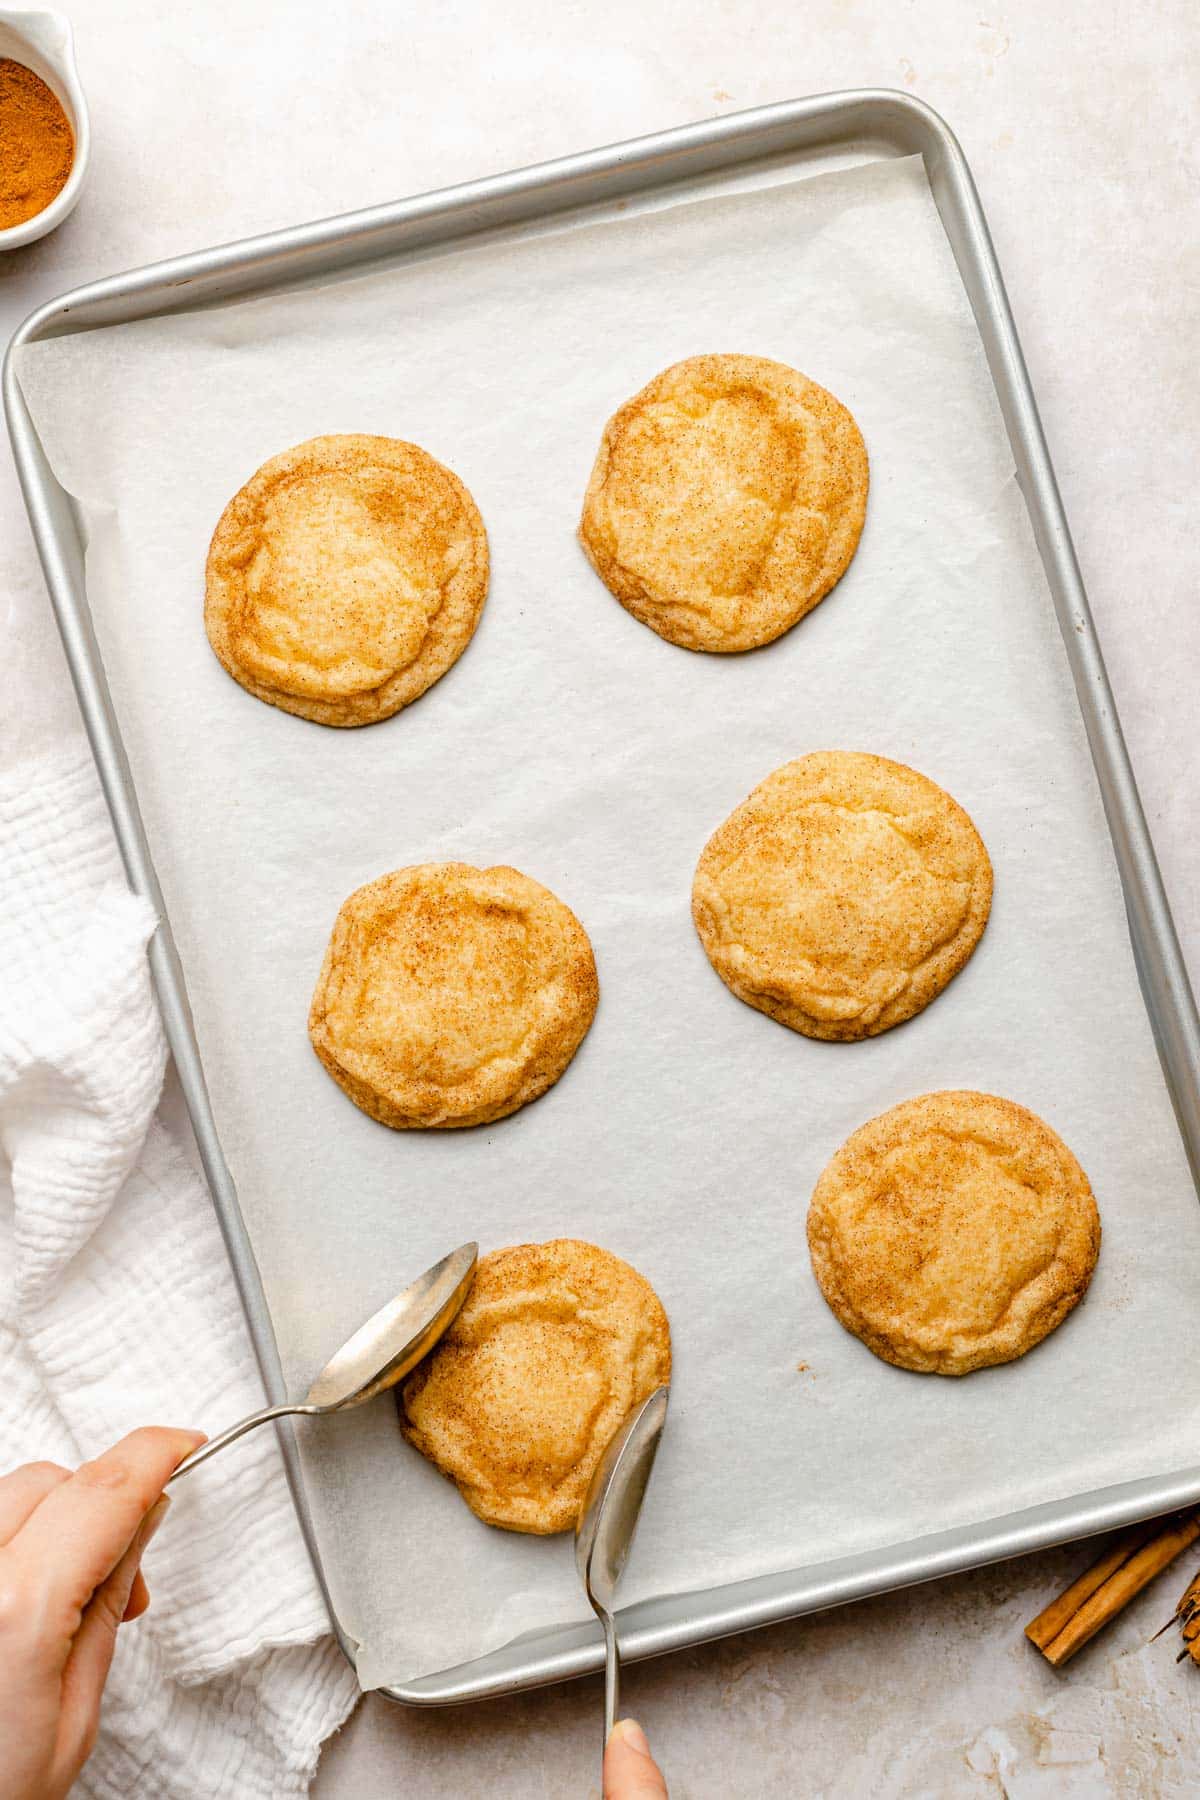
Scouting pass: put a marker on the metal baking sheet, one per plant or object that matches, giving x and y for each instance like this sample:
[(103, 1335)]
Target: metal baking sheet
[(841, 126)]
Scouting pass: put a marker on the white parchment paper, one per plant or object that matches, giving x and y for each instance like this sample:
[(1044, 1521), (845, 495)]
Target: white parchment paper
[(569, 740)]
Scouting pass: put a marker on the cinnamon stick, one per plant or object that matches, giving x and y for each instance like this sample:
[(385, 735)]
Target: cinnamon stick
[(1046, 1627), (1102, 1591)]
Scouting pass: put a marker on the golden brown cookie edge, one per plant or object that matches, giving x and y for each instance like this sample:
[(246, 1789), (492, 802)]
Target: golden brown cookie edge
[(1074, 1288), (951, 958), (626, 587), (565, 1516), (541, 1075), (401, 690)]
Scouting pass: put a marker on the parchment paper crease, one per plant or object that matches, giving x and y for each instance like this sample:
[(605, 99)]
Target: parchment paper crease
[(569, 740)]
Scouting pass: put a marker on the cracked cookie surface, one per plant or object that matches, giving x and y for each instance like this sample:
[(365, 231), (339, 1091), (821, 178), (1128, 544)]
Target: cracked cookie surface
[(555, 1345), (345, 578), (452, 995), (952, 1232), (727, 498), (842, 895)]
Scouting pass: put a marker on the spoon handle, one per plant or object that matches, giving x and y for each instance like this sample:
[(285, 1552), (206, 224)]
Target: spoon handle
[(612, 1675), (235, 1432)]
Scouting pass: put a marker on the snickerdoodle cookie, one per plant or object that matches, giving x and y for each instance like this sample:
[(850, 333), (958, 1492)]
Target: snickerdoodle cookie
[(556, 1344), (726, 500), (952, 1232), (842, 895), (452, 995), (345, 578)]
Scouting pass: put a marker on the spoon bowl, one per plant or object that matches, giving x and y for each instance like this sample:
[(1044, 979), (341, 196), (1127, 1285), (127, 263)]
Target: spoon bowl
[(377, 1356), (393, 1340)]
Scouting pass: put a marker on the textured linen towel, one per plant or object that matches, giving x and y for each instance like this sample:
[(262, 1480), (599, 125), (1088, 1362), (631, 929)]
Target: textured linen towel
[(117, 1308)]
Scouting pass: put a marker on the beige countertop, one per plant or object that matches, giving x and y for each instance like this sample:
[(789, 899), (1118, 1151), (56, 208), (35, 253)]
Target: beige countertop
[(1079, 121)]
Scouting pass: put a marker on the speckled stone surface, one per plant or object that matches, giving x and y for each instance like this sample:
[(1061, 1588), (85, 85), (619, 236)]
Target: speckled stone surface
[(1079, 121)]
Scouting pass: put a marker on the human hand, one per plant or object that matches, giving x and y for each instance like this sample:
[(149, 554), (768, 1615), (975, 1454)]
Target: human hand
[(70, 1546), (630, 1772)]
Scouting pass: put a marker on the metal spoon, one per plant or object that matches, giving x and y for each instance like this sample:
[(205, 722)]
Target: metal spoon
[(608, 1521), (380, 1353)]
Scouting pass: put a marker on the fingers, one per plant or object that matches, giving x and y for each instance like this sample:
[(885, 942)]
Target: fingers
[(23, 1491), (91, 1654), (630, 1772), (73, 1540), (138, 1601)]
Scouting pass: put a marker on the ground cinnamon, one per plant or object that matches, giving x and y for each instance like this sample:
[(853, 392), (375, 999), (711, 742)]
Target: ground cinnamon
[(36, 144)]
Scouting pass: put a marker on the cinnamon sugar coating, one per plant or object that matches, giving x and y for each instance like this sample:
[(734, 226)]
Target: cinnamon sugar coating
[(345, 578), (842, 895), (555, 1345), (726, 500), (952, 1232), (451, 995)]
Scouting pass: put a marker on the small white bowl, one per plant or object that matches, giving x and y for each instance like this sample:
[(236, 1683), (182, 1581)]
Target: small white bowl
[(43, 42)]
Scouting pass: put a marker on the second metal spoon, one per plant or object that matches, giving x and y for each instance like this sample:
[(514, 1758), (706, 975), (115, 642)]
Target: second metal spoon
[(607, 1524)]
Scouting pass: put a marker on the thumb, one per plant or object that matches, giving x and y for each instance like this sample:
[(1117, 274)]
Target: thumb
[(630, 1772)]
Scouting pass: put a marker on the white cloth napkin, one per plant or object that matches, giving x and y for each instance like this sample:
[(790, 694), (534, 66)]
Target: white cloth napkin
[(117, 1308)]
